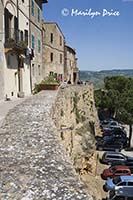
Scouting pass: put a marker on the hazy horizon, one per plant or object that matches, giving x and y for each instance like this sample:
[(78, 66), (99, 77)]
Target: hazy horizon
[(113, 69)]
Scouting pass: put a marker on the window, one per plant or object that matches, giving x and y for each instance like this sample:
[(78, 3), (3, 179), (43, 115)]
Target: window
[(21, 35), (26, 36), (38, 16), (51, 57), (33, 41), (51, 73), (51, 37), (39, 46), (8, 60), (33, 70), (60, 41), (118, 172), (122, 184), (125, 171), (130, 183), (32, 7), (39, 70), (60, 58)]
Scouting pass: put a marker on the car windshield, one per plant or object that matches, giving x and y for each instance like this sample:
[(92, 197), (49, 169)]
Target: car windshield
[(116, 180), (113, 124), (112, 169)]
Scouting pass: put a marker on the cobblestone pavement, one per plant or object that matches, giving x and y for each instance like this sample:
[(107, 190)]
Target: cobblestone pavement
[(5, 106), (33, 163)]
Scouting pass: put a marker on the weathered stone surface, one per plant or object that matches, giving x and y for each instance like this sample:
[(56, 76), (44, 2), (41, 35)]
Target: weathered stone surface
[(76, 118), (33, 163)]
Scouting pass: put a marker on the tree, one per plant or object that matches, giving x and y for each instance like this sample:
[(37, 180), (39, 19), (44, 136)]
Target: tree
[(117, 98)]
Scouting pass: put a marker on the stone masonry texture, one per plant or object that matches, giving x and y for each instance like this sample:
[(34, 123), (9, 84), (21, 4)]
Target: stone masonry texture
[(33, 163)]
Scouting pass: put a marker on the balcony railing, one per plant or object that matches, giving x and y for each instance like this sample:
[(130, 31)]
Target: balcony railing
[(16, 40)]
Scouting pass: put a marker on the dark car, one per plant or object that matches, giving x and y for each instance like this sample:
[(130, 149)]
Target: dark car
[(121, 138), (110, 145), (115, 131)]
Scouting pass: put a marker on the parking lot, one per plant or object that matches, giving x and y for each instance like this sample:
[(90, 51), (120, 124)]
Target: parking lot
[(106, 144)]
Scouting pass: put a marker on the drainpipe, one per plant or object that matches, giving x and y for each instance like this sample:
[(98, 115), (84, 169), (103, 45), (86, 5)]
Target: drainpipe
[(30, 43), (17, 39)]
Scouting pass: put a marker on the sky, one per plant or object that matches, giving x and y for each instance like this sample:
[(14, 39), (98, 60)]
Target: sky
[(102, 42)]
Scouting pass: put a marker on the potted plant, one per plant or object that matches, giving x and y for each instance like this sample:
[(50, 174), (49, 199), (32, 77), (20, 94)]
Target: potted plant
[(50, 83)]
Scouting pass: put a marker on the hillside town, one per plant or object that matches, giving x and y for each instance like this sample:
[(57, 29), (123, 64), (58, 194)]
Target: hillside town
[(31, 49), (70, 142)]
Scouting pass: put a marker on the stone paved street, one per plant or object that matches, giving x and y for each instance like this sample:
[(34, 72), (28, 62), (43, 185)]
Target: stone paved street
[(5, 106), (33, 163)]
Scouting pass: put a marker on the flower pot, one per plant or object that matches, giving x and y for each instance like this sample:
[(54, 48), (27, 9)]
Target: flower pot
[(48, 87)]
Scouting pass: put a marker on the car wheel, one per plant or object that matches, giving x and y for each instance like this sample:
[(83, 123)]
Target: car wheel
[(103, 177), (105, 189)]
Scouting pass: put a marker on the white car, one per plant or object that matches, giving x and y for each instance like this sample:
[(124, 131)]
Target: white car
[(121, 182)]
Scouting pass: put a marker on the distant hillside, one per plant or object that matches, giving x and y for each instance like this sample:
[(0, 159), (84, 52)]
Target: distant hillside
[(97, 77)]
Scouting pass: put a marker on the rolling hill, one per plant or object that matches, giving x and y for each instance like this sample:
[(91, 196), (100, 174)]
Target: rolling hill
[(97, 77)]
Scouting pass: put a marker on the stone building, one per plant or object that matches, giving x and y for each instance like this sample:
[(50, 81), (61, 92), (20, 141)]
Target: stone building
[(70, 66), (35, 28), (20, 46), (14, 41), (53, 50)]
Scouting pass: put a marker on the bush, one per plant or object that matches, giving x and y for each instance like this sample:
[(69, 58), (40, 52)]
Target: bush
[(36, 89)]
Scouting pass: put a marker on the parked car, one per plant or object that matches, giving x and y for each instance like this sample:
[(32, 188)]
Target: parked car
[(110, 145), (119, 170), (112, 157), (120, 182), (128, 163), (119, 137), (115, 131), (120, 194)]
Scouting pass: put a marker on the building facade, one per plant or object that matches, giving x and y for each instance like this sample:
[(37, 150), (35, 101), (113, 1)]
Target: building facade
[(70, 66), (20, 46), (36, 33), (15, 40), (1, 50), (53, 51)]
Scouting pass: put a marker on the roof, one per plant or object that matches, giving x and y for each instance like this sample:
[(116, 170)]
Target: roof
[(121, 167), (112, 152), (129, 177), (56, 25), (71, 49)]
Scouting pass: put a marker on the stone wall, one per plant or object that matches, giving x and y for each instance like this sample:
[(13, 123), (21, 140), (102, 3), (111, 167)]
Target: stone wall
[(76, 118)]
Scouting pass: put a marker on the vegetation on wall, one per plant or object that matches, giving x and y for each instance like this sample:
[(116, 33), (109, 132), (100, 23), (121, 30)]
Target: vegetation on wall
[(80, 115)]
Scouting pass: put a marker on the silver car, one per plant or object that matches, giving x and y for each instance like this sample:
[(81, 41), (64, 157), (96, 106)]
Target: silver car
[(120, 194), (121, 182), (109, 157)]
